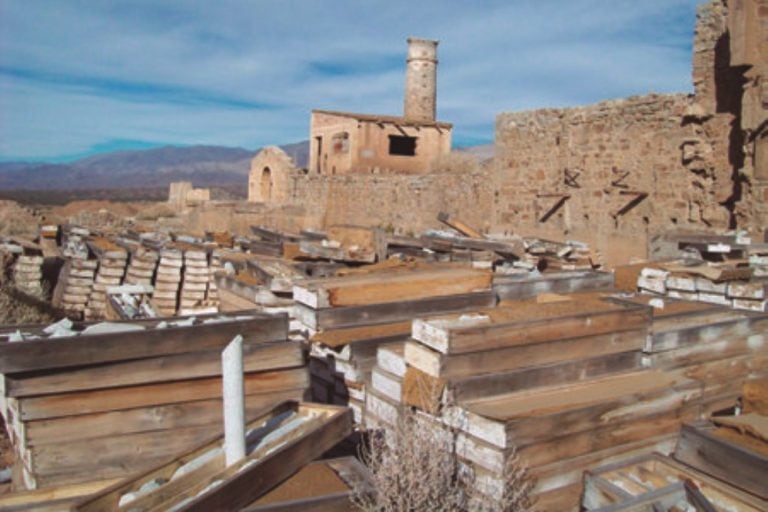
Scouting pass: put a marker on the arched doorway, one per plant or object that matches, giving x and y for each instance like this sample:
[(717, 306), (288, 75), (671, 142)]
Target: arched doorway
[(266, 184)]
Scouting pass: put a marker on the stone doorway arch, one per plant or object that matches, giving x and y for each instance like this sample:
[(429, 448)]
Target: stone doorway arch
[(266, 184)]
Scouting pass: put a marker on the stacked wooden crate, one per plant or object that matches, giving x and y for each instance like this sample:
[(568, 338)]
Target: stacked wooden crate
[(118, 398), (560, 382), (141, 268), (717, 346), (349, 317), (74, 286), (28, 274), (168, 281), (112, 260)]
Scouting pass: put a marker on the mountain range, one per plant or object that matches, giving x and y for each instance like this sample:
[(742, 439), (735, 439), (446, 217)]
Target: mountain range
[(204, 166), (158, 167)]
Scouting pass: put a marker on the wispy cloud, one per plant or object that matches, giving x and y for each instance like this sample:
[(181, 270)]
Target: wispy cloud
[(75, 75)]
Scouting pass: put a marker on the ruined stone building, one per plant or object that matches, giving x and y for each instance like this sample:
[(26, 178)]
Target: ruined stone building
[(350, 143), (343, 142), (645, 164), (614, 174)]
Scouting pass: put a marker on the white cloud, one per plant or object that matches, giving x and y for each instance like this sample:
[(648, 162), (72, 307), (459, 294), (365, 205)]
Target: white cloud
[(88, 71)]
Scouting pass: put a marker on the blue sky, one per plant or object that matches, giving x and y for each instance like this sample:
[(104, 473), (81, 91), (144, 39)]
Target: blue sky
[(78, 77)]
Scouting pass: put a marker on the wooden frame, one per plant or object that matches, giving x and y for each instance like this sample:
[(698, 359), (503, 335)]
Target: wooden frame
[(205, 484), (638, 483), (85, 349), (730, 462)]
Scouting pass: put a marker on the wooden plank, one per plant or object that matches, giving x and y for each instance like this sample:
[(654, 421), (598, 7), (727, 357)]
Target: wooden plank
[(706, 352), (527, 378), (328, 318), (271, 461), (143, 419), (523, 323), (178, 472), (116, 455), (60, 496), (730, 462), (520, 419), (704, 332), (409, 284), (512, 248), (88, 402), (470, 364), (269, 356), (574, 445), (459, 225), (101, 348), (516, 287), (347, 335)]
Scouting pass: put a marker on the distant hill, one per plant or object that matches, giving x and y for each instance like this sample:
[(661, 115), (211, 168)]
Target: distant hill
[(202, 165)]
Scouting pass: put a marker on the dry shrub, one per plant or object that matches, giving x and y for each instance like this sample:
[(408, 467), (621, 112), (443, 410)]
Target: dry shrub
[(17, 308), (414, 466)]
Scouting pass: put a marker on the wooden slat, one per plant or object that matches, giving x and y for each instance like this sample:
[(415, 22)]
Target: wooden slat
[(55, 498), (730, 462), (527, 378), (143, 419), (345, 336), (410, 284), (521, 322), (256, 357), (88, 402), (101, 348), (337, 317), (516, 287), (241, 483), (536, 354), (520, 419)]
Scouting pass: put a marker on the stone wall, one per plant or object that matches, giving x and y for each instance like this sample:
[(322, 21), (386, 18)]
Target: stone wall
[(631, 168), (613, 174), (181, 194), (269, 176), (398, 202)]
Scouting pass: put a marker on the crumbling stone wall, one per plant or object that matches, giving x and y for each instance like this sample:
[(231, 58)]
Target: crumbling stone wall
[(270, 175), (181, 194), (634, 167), (618, 166), (395, 201)]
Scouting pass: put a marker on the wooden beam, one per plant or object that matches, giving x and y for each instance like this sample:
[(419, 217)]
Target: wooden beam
[(561, 199), (270, 356), (111, 347), (459, 225), (271, 460), (736, 464), (637, 198), (372, 314)]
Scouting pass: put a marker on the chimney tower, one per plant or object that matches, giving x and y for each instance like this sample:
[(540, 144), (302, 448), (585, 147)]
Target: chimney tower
[(421, 80)]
